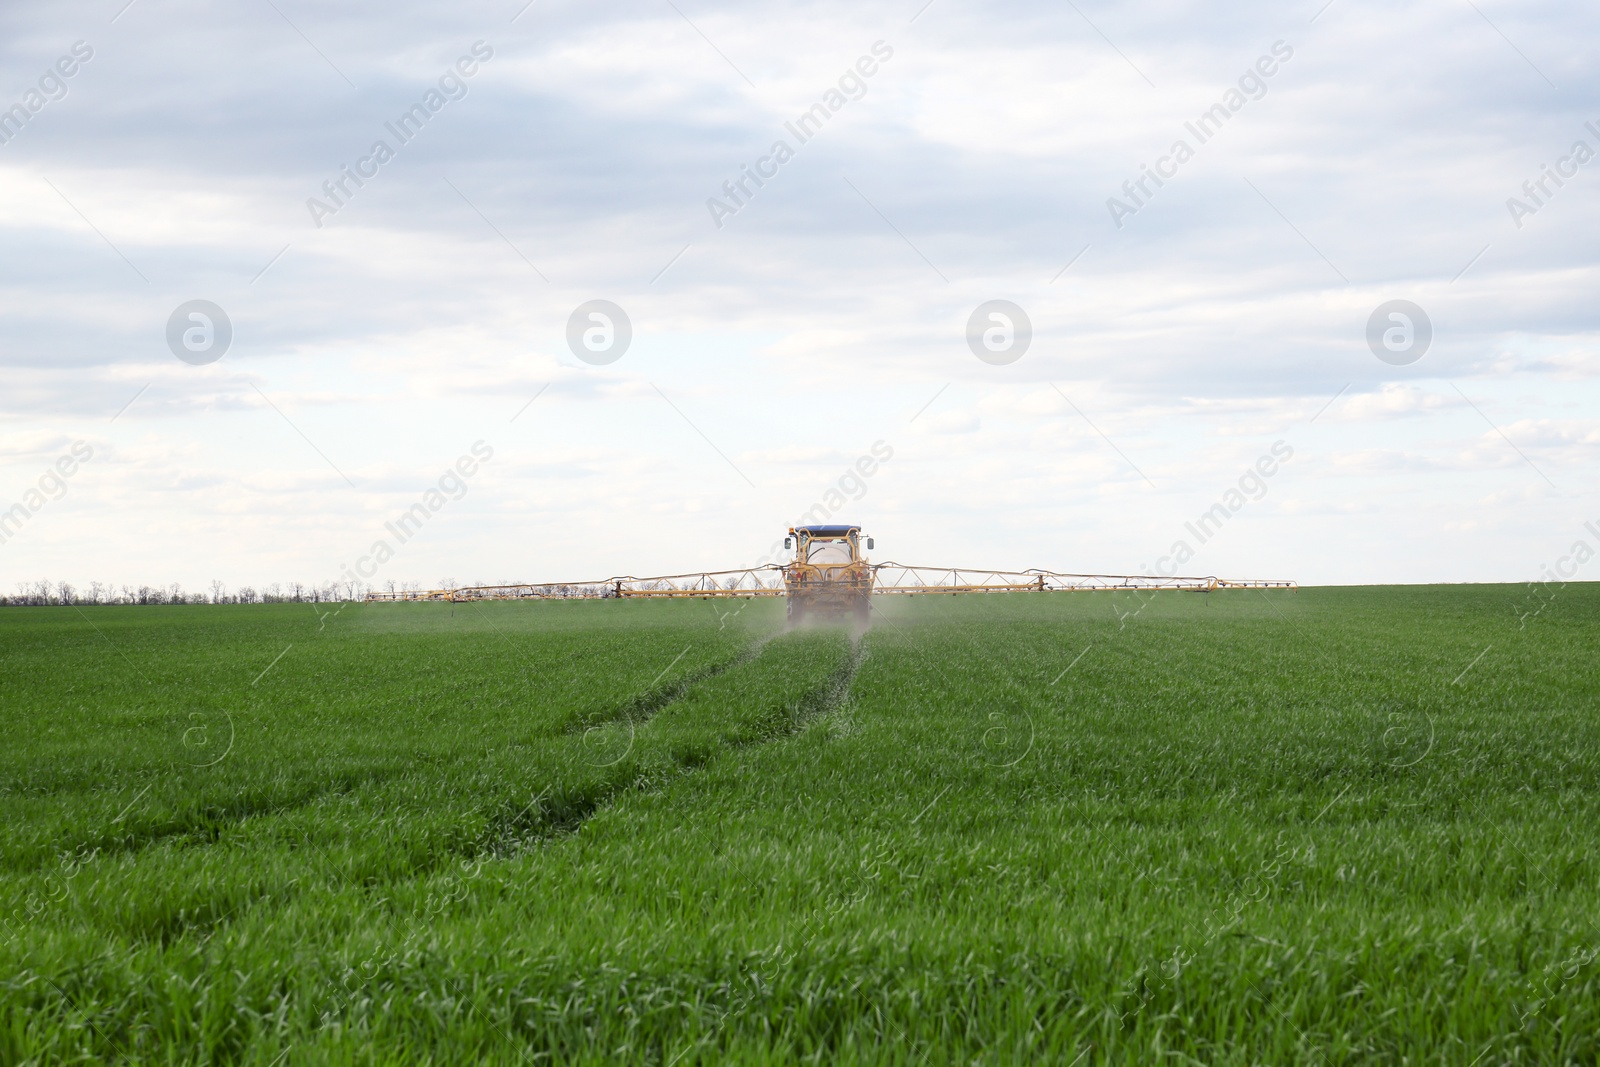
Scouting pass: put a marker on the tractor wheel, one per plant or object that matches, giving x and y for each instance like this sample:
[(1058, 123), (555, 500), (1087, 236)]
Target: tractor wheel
[(797, 613), (863, 612)]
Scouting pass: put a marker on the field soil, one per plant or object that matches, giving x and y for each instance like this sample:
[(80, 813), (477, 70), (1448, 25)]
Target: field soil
[(1323, 826)]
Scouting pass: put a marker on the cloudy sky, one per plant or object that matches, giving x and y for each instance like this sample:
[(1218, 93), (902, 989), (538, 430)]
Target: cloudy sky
[(1356, 154)]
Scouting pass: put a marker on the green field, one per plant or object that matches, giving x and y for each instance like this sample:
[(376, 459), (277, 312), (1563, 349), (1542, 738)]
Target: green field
[(1325, 826)]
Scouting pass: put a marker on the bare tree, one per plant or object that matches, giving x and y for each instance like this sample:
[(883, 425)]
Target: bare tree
[(44, 592)]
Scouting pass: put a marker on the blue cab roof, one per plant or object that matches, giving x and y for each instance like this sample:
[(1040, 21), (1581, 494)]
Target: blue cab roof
[(827, 531)]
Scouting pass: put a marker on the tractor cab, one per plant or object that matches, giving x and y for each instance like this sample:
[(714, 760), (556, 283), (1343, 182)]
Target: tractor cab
[(826, 546), (829, 575)]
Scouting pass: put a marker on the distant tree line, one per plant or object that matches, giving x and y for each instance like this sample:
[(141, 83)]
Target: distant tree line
[(60, 594), (45, 594)]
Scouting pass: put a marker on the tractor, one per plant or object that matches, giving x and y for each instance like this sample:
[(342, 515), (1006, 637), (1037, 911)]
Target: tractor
[(828, 577)]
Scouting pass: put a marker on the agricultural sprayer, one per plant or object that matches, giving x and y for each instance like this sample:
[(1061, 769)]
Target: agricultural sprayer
[(830, 576)]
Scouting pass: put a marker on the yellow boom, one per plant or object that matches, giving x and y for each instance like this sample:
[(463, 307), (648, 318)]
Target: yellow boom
[(830, 574)]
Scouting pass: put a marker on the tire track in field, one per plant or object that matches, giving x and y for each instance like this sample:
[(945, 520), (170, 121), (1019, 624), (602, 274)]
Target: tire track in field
[(203, 825), (550, 817), (655, 699), (821, 701), (206, 825)]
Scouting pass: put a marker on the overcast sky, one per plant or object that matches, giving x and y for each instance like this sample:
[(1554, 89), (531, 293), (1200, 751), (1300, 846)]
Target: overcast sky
[(1355, 154)]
